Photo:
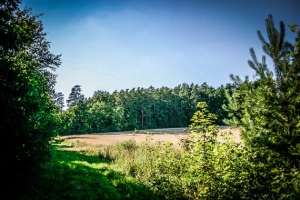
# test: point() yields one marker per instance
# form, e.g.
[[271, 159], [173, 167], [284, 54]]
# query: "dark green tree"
[[274, 97], [75, 97], [60, 101], [268, 108], [27, 120], [216, 99]]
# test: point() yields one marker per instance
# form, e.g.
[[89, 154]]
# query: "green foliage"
[[74, 175], [134, 132], [59, 101], [267, 109], [269, 106], [28, 116]]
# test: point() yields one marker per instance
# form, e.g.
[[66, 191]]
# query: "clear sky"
[[112, 45]]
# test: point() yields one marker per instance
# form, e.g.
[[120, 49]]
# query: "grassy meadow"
[[126, 170], [75, 174], [202, 168]]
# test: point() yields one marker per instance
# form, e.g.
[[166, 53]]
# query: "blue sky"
[[113, 45]]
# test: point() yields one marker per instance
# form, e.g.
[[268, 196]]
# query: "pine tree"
[[75, 96], [268, 109], [269, 105], [59, 101]]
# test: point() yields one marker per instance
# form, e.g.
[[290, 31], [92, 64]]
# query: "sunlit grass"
[[77, 175], [126, 170]]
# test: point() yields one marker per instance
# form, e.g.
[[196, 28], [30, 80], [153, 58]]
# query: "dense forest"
[[266, 110], [139, 108]]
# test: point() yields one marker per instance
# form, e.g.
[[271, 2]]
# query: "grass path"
[[74, 175]]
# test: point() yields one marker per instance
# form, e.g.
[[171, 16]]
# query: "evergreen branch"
[[271, 30], [263, 41], [252, 65], [253, 55], [282, 34], [266, 49], [264, 64]]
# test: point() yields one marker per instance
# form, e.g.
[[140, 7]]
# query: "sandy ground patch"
[[170, 134]]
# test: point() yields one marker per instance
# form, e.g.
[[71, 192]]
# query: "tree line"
[[141, 108]]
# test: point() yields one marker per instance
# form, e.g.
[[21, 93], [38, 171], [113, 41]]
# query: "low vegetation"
[[202, 168], [83, 175]]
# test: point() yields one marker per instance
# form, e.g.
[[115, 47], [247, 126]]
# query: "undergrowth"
[[204, 168], [83, 175]]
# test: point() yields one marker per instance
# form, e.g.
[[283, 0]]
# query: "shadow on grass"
[[72, 175]]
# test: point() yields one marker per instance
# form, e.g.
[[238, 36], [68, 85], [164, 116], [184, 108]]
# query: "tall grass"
[[202, 168], [156, 165], [82, 175], [206, 170]]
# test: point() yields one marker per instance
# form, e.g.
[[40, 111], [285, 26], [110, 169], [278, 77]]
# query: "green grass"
[[75, 175]]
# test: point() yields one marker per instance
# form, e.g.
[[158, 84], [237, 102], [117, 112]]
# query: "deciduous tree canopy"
[[26, 83]]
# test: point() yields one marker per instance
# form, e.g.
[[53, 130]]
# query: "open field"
[[168, 134]]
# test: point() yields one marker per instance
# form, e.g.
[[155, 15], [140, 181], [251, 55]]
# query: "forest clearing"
[[167, 134]]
